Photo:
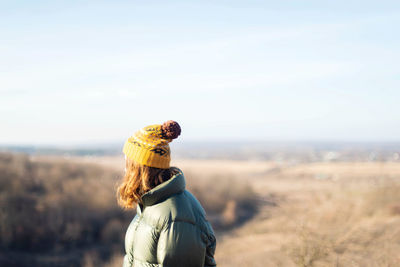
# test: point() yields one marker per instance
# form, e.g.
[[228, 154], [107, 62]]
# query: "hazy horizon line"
[[203, 141]]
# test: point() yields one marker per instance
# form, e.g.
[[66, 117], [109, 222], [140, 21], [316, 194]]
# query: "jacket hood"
[[174, 185]]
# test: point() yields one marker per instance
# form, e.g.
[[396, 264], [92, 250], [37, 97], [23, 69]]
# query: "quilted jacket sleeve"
[[182, 243], [211, 245], [128, 258], [127, 261]]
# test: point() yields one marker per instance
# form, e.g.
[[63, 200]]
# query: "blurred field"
[[264, 213], [327, 214]]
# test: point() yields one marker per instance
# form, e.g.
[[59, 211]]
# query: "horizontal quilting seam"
[[151, 225], [182, 220], [148, 263], [204, 230], [208, 234]]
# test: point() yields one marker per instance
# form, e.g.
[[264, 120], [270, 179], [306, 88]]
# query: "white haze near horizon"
[[96, 71]]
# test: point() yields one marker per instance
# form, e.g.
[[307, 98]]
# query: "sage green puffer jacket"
[[170, 229]]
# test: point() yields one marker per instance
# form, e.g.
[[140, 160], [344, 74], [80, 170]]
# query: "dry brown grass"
[[352, 227], [331, 222]]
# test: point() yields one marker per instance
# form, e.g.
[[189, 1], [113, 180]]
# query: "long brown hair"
[[139, 179]]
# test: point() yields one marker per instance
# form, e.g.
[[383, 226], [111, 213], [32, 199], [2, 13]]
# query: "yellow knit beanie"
[[150, 146]]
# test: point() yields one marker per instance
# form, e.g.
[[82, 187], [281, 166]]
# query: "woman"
[[170, 227]]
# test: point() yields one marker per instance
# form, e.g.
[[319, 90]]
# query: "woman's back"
[[170, 229]]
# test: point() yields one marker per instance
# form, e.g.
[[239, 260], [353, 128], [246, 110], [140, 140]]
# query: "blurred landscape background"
[[313, 204], [289, 113]]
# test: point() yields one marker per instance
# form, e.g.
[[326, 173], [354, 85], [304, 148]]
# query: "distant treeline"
[[254, 150], [58, 151]]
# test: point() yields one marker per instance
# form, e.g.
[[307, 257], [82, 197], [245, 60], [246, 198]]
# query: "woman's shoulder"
[[178, 207], [195, 204], [198, 213]]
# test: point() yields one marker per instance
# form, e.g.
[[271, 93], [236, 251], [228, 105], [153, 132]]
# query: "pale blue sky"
[[75, 72]]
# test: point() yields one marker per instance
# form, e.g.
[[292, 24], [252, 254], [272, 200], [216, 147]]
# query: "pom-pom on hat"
[[150, 145]]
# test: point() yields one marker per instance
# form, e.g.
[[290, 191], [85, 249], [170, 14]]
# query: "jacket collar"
[[174, 185]]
